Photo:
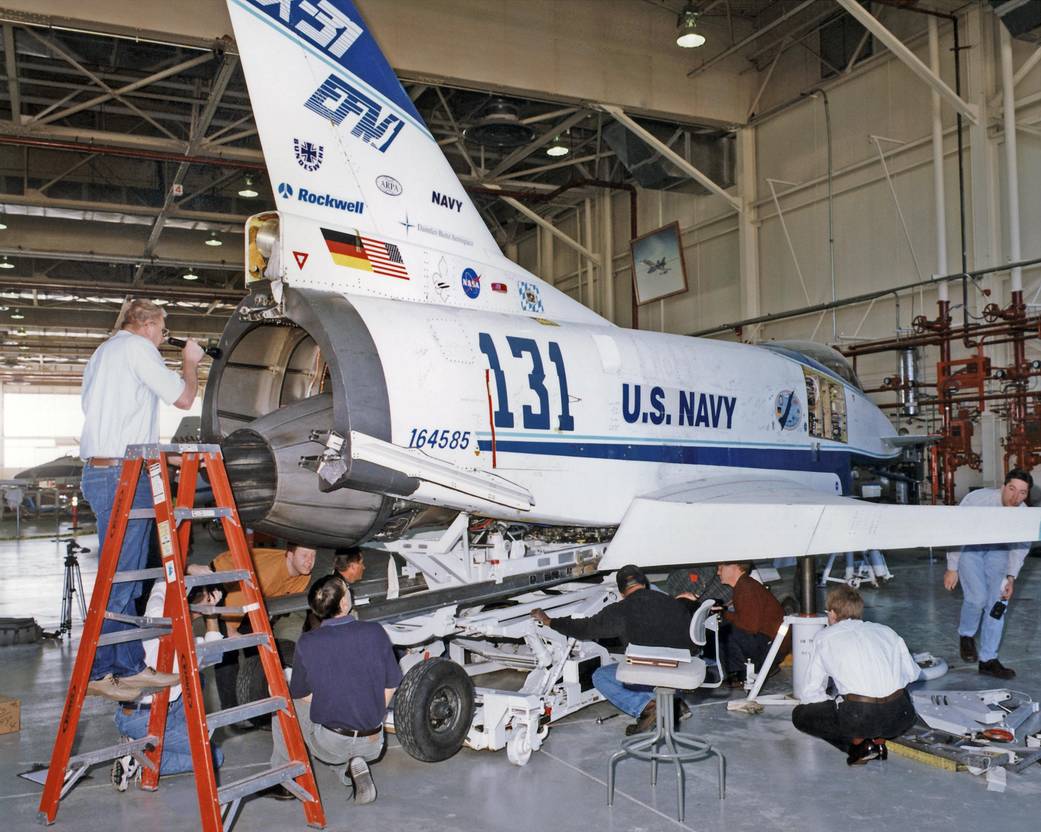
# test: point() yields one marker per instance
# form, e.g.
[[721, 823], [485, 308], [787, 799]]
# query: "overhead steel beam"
[[122, 259], [209, 218], [202, 124], [552, 229], [522, 153], [183, 66], [909, 59], [672, 155], [758, 33], [125, 144], [195, 292], [11, 65], [71, 59]]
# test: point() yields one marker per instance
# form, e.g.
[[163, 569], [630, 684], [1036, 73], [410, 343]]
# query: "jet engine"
[[294, 371]]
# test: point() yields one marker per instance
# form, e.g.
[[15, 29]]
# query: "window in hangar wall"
[[39, 427]]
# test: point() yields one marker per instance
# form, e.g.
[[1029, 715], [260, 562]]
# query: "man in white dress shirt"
[[122, 385], [988, 574], [871, 668]]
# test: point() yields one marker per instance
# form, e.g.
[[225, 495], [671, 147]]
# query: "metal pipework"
[[908, 370]]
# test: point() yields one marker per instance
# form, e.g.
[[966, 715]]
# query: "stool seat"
[[684, 676]]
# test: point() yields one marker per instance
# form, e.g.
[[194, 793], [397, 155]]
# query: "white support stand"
[[804, 628]]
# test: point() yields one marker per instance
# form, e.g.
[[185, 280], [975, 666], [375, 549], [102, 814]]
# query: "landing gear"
[[433, 709]]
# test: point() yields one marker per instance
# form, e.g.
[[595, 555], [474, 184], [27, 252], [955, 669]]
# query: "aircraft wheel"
[[518, 749], [251, 684], [433, 709]]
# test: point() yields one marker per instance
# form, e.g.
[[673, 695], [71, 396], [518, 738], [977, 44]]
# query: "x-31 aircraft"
[[384, 317], [656, 266], [388, 355]]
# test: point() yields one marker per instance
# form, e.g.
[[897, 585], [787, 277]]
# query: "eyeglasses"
[[163, 330]]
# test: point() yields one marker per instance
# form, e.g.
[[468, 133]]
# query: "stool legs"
[[678, 749]]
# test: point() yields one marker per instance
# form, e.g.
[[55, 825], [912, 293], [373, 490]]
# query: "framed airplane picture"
[[658, 267]]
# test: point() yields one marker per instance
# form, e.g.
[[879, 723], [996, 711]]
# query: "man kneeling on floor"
[[871, 668], [344, 675], [748, 631], [643, 616]]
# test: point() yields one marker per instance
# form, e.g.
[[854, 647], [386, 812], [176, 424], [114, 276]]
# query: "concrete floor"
[[777, 778]]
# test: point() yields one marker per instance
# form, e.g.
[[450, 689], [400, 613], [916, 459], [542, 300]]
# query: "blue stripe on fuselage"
[[774, 459]]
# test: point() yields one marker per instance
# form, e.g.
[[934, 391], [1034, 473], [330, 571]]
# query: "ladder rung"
[[153, 451], [136, 634], [242, 712], [260, 781], [211, 651], [228, 576], [220, 609], [111, 752], [200, 513], [141, 514], [137, 575], [138, 620]]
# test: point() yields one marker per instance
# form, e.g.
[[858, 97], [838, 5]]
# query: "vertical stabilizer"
[[343, 142]]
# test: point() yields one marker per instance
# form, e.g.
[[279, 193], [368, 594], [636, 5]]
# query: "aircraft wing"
[[742, 519]]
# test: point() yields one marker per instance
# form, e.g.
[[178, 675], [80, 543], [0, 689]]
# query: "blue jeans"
[[177, 751], [99, 489], [982, 575], [630, 699]]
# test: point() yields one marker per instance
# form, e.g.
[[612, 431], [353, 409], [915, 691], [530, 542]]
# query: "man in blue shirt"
[[344, 675]]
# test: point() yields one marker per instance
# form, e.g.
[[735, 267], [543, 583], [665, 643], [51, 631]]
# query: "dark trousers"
[[737, 646], [839, 721]]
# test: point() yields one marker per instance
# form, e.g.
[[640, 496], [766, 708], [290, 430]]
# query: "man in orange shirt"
[[279, 572], [749, 630]]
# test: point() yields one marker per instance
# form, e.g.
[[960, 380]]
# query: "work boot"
[[364, 788], [861, 752], [111, 688], [646, 722], [149, 679], [968, 649], [996, 669]]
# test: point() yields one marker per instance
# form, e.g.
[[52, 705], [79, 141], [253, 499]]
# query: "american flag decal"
[[384, 257]]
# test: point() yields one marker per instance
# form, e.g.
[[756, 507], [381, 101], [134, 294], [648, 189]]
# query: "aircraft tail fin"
[[343, 142]]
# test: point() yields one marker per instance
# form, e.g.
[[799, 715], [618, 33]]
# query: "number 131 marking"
[[534, 419]]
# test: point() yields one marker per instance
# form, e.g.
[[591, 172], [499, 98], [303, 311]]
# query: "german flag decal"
[[365, 253]]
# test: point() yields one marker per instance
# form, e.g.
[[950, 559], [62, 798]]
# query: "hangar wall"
[[880, 98]]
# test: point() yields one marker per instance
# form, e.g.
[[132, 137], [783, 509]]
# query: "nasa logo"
[[285, 189], [788, 410], [389, 185], [471, 283], [308, 155]]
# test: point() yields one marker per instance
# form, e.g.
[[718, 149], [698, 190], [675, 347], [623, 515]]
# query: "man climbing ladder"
[[173, 525]]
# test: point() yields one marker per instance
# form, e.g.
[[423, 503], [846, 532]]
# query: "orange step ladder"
[[218, 806]]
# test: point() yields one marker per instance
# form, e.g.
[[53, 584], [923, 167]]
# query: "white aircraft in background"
[[389, 355]]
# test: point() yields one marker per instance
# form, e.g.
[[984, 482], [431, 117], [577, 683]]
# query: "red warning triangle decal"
[[301, 258]]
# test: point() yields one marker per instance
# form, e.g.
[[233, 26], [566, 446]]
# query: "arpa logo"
[[471, 283], [308, 155], [285, 189], [389, 185]]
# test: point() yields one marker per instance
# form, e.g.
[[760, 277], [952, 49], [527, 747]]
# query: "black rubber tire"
[[433, 709], [250, 684]]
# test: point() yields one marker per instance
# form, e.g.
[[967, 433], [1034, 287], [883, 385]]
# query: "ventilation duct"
[[711, 154]]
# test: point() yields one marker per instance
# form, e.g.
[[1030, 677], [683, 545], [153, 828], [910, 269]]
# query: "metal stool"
[[675, 748]]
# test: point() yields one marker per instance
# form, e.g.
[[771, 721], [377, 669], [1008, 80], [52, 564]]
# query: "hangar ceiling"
[[126, 164]]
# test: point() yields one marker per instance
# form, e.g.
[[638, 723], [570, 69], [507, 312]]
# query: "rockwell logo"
[[322, 200]]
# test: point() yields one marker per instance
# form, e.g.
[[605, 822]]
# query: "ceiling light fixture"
[[3, 225], [17, 316], [687, 35], [6, 264], [214, 240], [247, 190], [190, 276], [558, 148]]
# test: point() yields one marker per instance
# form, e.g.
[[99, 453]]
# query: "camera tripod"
[[73, 586]]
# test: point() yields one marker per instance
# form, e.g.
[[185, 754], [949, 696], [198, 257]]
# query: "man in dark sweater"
[[749, 630], [643, 616], [340, 704]]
